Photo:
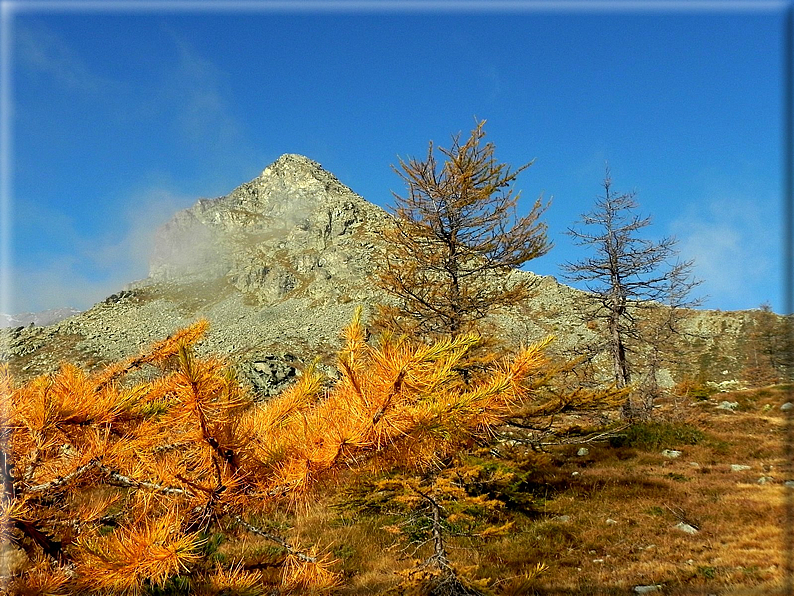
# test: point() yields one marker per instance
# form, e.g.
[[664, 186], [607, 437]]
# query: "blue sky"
[[123, 116]]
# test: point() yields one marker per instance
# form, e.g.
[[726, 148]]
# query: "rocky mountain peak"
[[291, 229], [289, 189], [296, 170], [294, 162]]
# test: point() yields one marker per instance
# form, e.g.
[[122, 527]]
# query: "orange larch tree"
[[456, 236], [112, 485]]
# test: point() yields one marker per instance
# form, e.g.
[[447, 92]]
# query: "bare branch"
[[275, 538]]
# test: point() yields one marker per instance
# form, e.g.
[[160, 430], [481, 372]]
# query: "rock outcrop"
[[278, 266]]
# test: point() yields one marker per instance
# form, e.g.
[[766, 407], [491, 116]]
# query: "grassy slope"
[[737, 550]]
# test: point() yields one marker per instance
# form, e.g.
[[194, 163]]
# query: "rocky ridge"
[[293, 231], [278, 266]]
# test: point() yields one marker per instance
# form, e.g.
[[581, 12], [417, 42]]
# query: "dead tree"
[[626, 275]]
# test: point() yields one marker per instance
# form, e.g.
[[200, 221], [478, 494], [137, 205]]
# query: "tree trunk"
[[455, 321], [620, 367]]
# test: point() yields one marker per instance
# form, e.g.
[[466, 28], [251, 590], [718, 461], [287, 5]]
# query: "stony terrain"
[[278, 266]]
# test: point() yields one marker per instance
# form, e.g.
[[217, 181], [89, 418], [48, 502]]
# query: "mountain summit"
[[293, 229]]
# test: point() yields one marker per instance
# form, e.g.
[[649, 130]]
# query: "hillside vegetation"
[[159, 475]]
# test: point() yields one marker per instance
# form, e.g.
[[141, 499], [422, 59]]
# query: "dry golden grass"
[[622, 505]]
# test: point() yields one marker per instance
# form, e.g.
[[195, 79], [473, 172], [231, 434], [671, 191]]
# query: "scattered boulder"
[[119, 296], [728, 405], [727, 385], [687, 528], [647, 589], [269, 374], [671, 453]]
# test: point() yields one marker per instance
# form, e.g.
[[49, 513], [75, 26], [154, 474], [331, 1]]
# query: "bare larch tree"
[[627, 273]]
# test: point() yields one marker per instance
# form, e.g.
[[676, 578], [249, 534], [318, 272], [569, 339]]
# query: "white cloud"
[[735, 243], [194, 88], [41, 52], [96, 266], [79, 268], [185, 95], [60, 282]]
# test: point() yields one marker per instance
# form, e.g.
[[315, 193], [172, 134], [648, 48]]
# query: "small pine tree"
[[430, 508]]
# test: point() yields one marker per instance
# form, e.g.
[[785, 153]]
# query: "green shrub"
[[652, 436]]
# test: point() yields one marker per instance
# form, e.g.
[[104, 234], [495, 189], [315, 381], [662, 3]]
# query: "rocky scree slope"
[[278, 267]]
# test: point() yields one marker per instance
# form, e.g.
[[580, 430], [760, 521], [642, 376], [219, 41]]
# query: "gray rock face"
[[269, 374], [293, 231]]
